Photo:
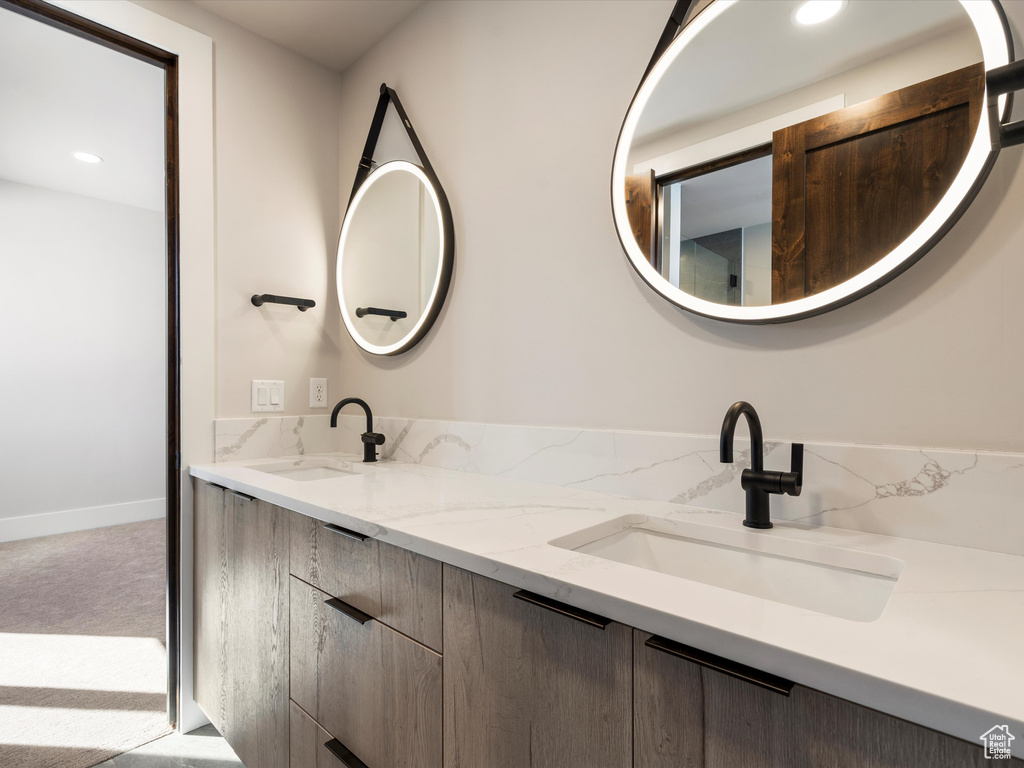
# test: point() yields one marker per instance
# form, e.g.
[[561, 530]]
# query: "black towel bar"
[[258, 300]]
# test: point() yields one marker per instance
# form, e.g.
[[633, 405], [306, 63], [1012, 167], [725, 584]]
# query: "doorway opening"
[[136, 301]]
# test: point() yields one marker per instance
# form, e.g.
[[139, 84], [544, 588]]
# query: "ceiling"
[[60, 94], [334, 33]]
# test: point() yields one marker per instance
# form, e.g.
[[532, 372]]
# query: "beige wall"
[[277, 212], [519, 105]]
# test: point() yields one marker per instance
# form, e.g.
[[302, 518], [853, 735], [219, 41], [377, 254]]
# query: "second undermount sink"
[[840, 582], [314, 468]]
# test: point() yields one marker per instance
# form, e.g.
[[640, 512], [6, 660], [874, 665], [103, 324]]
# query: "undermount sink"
[[839, 582], [322, 468]]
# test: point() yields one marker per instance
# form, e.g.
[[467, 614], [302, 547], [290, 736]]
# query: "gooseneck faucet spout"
[[370, 438], [756, 481], [732, 417]]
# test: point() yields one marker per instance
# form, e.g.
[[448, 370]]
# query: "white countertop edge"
[[920, 707]]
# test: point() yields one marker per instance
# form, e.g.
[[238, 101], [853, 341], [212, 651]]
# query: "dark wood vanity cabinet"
[[688, 715], [525, 686], [306, 636], [241, 622]]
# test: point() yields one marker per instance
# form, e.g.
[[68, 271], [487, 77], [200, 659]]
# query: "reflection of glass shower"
[[704, 273]]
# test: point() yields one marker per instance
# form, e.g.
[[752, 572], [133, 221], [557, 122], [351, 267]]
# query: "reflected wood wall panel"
[[849, 186]]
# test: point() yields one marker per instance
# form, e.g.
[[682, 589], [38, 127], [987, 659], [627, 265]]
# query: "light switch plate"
[[267, 395], [318, 393]]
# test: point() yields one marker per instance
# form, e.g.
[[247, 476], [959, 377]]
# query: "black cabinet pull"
[[344, 755], [726, 666], [345, 532], [344, 608], [239, 494], [579, 614]]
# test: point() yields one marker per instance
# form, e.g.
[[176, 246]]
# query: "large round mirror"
[[784, 157], [394, 258]]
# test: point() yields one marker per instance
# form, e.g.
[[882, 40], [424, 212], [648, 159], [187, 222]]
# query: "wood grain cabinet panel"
[[241, 609], [395, 586], [668, 709], [375, 690], [689, 715], [525, 686], [308, 742], [810, 729]]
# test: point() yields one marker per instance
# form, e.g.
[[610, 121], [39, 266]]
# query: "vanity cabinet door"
[[747, 725], [668, 709], [241, 622], [690, 715], [525, 686]]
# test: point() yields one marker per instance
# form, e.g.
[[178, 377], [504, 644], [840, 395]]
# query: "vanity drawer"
[[395, 586], [373, 689], [307, 743]]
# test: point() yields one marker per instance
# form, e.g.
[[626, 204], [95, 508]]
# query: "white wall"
[[277, 212], [82, 397], [518, 105]]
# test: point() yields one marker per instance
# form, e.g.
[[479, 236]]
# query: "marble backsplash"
[[965, 498]]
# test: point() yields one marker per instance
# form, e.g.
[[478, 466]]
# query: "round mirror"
[[394, 258], [784, 157]]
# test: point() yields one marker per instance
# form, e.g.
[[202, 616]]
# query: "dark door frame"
[[168, 62]]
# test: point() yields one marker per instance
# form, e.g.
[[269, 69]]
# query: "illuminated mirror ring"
[[395, 257], [990, 26]]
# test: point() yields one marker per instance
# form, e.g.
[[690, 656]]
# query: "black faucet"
[[370, 438], [756, 481]]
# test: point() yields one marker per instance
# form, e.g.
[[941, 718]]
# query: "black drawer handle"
[[344, 755], [345, 532], [233, 492], [719, 664], [579, 614], [344, 608]]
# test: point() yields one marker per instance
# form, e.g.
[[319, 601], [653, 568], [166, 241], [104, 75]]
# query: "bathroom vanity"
[[400, 615]]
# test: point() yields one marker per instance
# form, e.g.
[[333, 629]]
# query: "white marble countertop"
[[945, 652]]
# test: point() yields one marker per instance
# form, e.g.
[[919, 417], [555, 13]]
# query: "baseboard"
[[49, 523]]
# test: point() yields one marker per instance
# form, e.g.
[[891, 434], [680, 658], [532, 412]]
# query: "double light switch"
[[267, 395]]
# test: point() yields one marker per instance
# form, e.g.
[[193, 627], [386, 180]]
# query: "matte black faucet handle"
[[792, 482], [372, 438]]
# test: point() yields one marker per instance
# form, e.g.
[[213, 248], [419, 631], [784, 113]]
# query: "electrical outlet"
[[267, 395], [318, 393]]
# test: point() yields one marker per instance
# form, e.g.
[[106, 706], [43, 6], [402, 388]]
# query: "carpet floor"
[[83, 666]]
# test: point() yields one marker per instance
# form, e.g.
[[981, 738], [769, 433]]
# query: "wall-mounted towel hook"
[[258, 300]]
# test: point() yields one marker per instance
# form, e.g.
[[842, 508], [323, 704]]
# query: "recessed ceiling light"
[[816, 11], [88, 157]]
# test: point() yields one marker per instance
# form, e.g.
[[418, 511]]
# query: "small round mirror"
[[784, 157], [394, 258]]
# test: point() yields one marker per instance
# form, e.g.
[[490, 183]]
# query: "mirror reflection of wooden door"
[[849, 186], [640, 196]]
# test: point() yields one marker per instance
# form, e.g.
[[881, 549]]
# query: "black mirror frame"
[[1003, 80], [388, 96]]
